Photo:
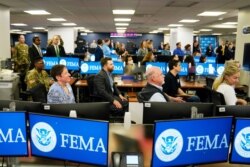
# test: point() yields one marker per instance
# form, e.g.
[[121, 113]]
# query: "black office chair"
[[215, 97], [38, 93], [139, 97], [92, 96], [209, 81]]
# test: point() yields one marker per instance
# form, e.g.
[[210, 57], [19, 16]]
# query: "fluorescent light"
[[230, 23], [18, 24], [196, 32], [15, 30], [163, 29], [234, 33], [223, 26], [37, 12], [210, 13], [153, 32], [121, 28], [175, 25], [122, 19], [206, 30], [56, 19], [88, 31], [27, 32], [120, 31], [38, 28], [216, 33], [188, 21], [121, 24], [79, 28], [69, 24], [130, 12]]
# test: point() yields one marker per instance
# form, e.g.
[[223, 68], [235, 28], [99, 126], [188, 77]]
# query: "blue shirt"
[[57, 95], [106, 50], [178, 52]]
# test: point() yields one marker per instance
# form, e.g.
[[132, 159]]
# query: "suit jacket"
[[98, 53], [52, 52], [102, 87], [33, 54]]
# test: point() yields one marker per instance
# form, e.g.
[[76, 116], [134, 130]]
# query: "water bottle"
[[194, 112]]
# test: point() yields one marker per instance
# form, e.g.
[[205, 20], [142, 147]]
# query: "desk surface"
[[141, 84]]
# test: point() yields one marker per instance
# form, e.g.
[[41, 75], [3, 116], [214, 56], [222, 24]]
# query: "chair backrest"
[[209, 81], [139, 97], [39, 93], [215, 97], [90, 82]]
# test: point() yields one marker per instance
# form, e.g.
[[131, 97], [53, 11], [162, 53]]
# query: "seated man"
[[38, 75], [104, 87], [153, 90], [172, 84]]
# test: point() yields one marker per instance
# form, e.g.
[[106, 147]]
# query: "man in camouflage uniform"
[[21, 59], [38, 75]]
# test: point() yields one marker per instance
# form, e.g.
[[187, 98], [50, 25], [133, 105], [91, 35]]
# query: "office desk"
[[138, 138]]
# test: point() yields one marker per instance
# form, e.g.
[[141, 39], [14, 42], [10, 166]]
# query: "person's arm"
[[175, 99], [241, 102]]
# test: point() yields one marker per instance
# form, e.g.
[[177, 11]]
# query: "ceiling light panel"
[[211, 13], [122, 19], [37, 12], [56, 19], [188, 21], [125, 12]]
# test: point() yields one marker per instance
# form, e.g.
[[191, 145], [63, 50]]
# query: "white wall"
[[4, 32], [68, 35], [241, 39], [185, 36]]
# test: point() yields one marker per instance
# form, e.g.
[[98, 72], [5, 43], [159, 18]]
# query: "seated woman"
[[226, 84], [130, 66], [60, 91], [149, 57]]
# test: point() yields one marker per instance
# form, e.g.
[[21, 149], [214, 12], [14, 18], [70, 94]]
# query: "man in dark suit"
[[98, 50], [104, 87], [55, 49], [35, 51]]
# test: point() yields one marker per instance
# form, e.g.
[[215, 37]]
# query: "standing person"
[[22, 60], [106, 49], [229, 52], [227, 82], [142, 51], [55, 48], [35, 51], [178, 51], [220, 51], [153, 91], [196, 48], [187, 50], [172, 84], [149, 57], [98, 51], [60, 91], [166, 50], [104, 87], [209, 50]]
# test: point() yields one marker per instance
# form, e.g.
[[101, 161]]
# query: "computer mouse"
[[116, 160]]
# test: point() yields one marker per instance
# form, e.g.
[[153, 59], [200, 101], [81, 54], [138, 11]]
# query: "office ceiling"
[[96, 15]]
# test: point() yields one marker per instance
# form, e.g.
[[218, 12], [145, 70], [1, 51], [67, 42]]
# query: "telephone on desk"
[[131, 159]]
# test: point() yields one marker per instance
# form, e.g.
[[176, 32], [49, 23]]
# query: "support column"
[[5, 32], [241, 39], [68, 35], [180, 34]]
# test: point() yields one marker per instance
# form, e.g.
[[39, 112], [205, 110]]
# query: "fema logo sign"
[[220, 70], [43, 137], [148, 66], [242, 142], [63, 62], [199, 69], [84, 67], [169, 145]]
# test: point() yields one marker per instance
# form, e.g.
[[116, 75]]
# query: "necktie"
[[57, 50]]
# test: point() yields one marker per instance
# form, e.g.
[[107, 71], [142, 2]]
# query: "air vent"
[[176, 3]]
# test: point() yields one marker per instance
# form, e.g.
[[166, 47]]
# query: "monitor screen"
[[95, 110], [161, 65], [49, 62], [90, 67], [233, 110], [77, 140], [219, 69], [118, 68], [154, 111], [70, 63], [13, 139], [184, 69], [191, 141], [28, 106], [205, 69], [161, 58], [240, 150]]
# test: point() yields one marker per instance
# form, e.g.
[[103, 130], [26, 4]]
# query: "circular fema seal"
[[168, 145], [199, 69], [43, 137], [148, 66], [84, 67], [63, 62], [220, 70], [242, 142]]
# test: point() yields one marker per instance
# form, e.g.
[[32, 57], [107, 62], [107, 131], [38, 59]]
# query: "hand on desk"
[[117, 104]]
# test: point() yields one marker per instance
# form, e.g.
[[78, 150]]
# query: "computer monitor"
[[70, 62], [154, 111], [70, 139], [13, 134], [240, 147], [204, 69], [191, 141], [28, 106], [161, 58], [95, 110], [233, 110], [49, 62]]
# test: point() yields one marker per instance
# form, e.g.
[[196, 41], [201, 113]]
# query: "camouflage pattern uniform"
[[21, 58], [34, 77]]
